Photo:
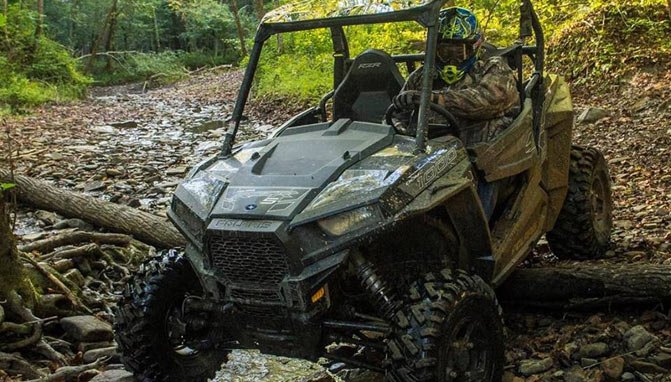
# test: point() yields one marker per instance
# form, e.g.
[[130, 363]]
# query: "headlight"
[[205, 190], [355, 182], [350, 221]]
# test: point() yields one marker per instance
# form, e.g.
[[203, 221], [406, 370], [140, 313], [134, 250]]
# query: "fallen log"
[[144, 226], [47, 245], [588, 286]]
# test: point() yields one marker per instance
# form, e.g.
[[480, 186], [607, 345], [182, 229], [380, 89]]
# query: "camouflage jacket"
[[480, 100]]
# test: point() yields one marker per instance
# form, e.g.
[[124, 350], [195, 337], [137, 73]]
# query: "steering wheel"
[[451, 120]]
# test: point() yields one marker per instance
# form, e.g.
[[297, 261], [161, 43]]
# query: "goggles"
[[454, 53]]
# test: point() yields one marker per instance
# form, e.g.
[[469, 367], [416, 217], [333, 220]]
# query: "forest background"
[[54, 50]]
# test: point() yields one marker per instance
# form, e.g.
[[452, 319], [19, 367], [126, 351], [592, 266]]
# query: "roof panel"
[[304, 10]]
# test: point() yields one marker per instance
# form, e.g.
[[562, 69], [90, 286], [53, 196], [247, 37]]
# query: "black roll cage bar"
[[427, 16]]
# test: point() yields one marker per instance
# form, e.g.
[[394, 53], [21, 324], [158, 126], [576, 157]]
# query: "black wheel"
[[150, 329], [582, 230], [451, 331]]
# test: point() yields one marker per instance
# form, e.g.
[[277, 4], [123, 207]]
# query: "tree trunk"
[[110, 33], [156, 32], [11, 270], [260, 11], [40, 25], [101, 37], [238, 26], [588, 285], [144, 226]]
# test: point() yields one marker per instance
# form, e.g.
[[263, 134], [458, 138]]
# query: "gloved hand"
[[407, 99]]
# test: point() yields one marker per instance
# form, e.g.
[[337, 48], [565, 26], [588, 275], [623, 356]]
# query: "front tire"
[[582, 230], [452, 331], [145, 319]]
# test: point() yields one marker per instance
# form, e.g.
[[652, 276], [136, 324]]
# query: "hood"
[[277, 178]]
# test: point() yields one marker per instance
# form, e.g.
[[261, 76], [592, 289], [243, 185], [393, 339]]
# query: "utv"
[[339, 229]]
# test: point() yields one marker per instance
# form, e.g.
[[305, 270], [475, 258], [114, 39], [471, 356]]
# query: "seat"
[[368, 88]]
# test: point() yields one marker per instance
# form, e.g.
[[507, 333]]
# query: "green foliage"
[[34, 70], [591, 40], [6, 187]]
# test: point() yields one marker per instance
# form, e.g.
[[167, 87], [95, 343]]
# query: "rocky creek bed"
[[132, 148]]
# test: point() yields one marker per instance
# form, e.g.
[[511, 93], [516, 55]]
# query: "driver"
[[477, 92]]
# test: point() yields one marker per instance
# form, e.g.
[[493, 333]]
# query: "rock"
[[587, 362], [574, 376], [75, 276], [178, 170], [94, 186], [593, 114], [124, 124], [663, 360], [628, 377], [637, 337], [207, 126], [86, 346], [114, 376], [647, 367], [594, 350], [531, 366], [74, 223], [34, 236], [47, 217], [113, 172], [87, 329], [103, 129], [613, 367], [95, 354]]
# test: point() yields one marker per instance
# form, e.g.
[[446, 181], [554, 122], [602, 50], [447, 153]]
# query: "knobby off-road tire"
[[451, 331], [151, 299], [582, 230]]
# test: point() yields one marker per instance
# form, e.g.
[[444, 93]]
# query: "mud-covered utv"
[[339, 229]]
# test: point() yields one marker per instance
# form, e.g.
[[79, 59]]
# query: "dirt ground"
[[133, 147]]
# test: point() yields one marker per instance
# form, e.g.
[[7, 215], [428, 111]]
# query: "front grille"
[[249, 262], [251, 295]]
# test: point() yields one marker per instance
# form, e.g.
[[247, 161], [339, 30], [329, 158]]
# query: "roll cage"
[[426, 14]]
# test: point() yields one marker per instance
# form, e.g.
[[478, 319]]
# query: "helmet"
[[459, 41]]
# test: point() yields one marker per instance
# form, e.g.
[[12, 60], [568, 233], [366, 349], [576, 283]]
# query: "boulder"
[[87, 329]]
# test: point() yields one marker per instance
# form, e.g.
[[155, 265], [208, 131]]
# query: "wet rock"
[[87, 329], [594, 350], [593, 114], [113, 376], [95, 354], [613, 367], [207, 126], [637, 337], [530, 367]]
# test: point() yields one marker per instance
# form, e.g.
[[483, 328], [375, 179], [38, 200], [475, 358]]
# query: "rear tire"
[[145, 320], [582, 230], [451, 331]]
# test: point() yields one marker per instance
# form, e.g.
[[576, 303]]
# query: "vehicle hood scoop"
[[282, 177]]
